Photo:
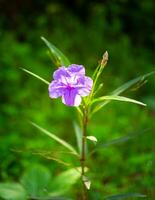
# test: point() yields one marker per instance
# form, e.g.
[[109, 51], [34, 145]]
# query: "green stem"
[[83, 155], [97, 73]]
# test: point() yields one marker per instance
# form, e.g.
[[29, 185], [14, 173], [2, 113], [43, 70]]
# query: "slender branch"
[[97, 73]]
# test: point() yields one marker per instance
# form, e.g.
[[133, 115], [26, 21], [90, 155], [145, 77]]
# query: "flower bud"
[[104, 59]]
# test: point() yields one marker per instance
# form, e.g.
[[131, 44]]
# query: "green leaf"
[[86, 182], [78, 134], [58, 57], [116, 141], [36, 180], [120, 140], [124, 196], [12, 191], [131, 83], [64, 181], [122, 89], [50, 156], [54, 137], [36, 76], [92, 138], [117, 98]]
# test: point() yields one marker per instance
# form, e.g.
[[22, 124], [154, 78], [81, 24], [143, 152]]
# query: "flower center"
[[70, 87]]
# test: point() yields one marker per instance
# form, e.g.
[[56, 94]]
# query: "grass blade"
[[54, 137], [36, 76]]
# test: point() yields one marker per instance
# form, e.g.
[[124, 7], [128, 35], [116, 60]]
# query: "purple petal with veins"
[[71, 84], [71, 97], [79, 69]]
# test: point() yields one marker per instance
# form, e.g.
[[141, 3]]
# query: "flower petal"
[[56, 89], [88, 82], [79, 69], [60, 72], [85, 86], [71, 98]]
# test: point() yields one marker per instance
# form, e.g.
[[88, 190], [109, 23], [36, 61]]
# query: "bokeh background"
[[83, 30]]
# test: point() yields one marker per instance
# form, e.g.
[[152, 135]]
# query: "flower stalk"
[[97, 73], [83, 154], [87, 104]]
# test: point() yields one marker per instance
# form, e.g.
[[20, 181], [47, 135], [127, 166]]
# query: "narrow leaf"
[[36, 76], [78, 134], [59, 58], [50, 157], [120, 140], [51, 135], [131, 83], [124, 196], [12, 191], [122, 89], [116, 141], [117, 98], [92, 138]]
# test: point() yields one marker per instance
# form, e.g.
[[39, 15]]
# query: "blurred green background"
[[83, 30]]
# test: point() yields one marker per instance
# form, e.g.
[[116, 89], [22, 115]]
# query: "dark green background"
[[83, 30]]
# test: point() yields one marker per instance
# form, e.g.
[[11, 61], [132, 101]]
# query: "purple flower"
[[71, 84]]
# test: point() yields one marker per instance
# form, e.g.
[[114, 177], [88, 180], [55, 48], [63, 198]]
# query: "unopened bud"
[[104, 59]]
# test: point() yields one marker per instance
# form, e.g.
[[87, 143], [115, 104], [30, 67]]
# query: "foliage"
[[131, 55], [36, 184], [13, 191]]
